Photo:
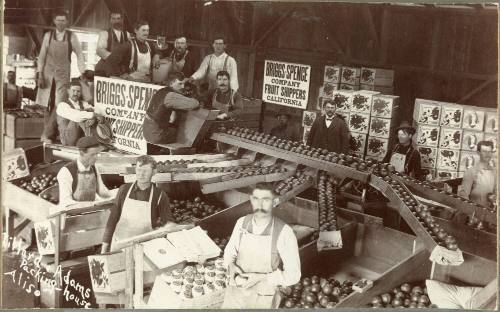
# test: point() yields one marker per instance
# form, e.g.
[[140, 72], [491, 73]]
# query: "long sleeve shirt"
[[287, 248], [213, 64], [102, 42], [65, 181], [176, 100], [478, 182], [160, 207], [77, 48], [71, 111]]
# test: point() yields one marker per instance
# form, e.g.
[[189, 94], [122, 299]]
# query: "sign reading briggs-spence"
[[125, 102], [286, 84]]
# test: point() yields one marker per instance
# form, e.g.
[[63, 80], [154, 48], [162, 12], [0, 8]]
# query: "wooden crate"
[[427, 112], [382, 89], [491, 123], [381, 127], [377, 147], [358, 143], [473, 118], [343, 100], [427, 135], [350, 75], [385, 106], [470, 139], [359, 122], [450, 138], [442, 175], [345, 86], [467, 160], [428, 156], [10, 143], [448, 159], [23, 128], [377, 76], [362, 101], [451, 115], [332, 73]]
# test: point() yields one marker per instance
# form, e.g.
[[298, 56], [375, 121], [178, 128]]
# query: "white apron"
[[143, 63], [223, 107], [398, 161], [254, 256], [484, 183], [56, 69], [135, 218]]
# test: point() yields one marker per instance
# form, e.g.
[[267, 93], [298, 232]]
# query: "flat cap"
[[88, 141]]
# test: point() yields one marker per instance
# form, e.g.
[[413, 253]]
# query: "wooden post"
[[250, 74], [57, 261], [139, 277], [129, 277]]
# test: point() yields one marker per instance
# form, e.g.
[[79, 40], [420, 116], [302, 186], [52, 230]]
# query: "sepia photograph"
[[237, 154]]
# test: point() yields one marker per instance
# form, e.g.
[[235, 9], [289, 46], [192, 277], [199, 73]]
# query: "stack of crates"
[[22, 129], [448, 133]]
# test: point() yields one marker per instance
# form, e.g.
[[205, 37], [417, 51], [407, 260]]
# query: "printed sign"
[[125, 103], [15, 165], [286, 84]]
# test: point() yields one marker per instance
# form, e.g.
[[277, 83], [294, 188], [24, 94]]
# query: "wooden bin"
[[10, 143], [23, 128]]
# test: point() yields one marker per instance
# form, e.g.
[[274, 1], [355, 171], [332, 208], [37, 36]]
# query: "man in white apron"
[[228, 101], [79, 181], [54, 68], [405, 157], [139, 208], [261, 255], [480, 180], [214, 63], [74, 116]]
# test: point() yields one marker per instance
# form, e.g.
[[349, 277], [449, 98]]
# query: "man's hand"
[[233, 270], [253, 279]]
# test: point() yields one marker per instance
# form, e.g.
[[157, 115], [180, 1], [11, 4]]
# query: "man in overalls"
[[159, 126], [213, 63], [405, 157], [54, 68], [74, 116], [79, 181], [228, 101], [261, 255], [110, 40], [139, 207], [480, 180]]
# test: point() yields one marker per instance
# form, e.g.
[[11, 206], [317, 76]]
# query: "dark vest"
[[73, 169], [112, 39], [157, 110], [67, 37]]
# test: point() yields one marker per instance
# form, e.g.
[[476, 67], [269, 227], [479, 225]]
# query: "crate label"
[[448, 159], [380, 127], [359, 122], [350, 75], [468, 160], [491, 123], [362, 102], [358, 143], [343, 100], [428, 136], [332, 74], [383, 106], [492, 138], [470, 140], [15, 165], [451, 116], [428, 156], [450, 138], [377, 147], [428, 113], [473, 119]]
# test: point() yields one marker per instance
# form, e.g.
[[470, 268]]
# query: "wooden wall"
[[437, 53]]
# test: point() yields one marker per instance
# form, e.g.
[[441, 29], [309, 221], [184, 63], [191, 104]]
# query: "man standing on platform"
[[139, 207], [159, 125], [329, 131], [54, 68], [110, 40], [261, 255], [214, 63], [480, 181]]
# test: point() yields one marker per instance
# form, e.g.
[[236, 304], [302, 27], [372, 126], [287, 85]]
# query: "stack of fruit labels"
[[377, 79], [329, 235], [194, 245], [448, 133], [162, 253]]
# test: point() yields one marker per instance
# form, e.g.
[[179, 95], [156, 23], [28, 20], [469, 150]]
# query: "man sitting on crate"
[[139, 207], [261, 255], [74, 116]]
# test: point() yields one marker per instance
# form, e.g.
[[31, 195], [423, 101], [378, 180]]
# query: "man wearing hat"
[[79, 181], [405, 157], [284, 130], [74, 116]]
